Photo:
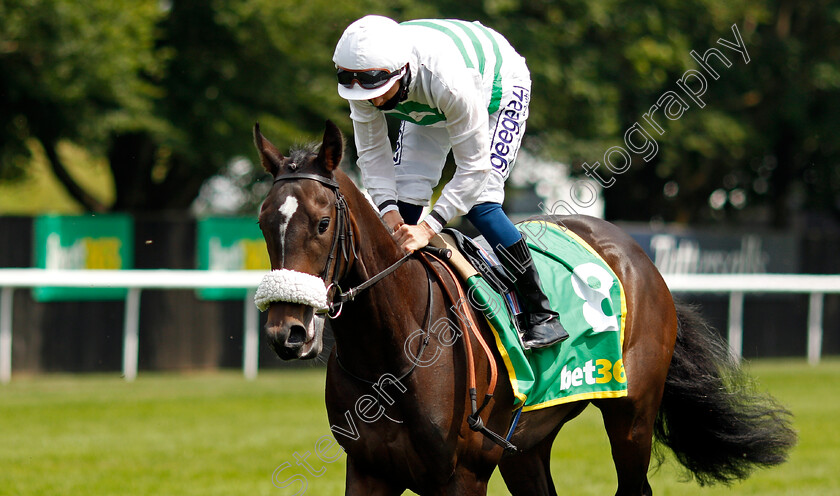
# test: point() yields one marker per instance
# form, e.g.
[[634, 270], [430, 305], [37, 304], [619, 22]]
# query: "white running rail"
[[135, 281], [736, 285]]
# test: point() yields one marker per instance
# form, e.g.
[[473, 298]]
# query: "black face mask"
[[400, 95]]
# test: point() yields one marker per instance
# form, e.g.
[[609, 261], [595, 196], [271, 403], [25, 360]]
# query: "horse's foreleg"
[[359, 483]]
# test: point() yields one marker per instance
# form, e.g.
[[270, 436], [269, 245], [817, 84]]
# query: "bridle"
[[343, 237]]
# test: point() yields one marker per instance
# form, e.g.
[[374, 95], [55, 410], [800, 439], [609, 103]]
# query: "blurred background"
[[140, 112]]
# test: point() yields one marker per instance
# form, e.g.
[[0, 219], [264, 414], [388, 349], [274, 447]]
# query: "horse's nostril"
[[297, 335]]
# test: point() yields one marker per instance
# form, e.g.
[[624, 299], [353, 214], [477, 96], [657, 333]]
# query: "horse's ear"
[[332, 148], [270, 157]]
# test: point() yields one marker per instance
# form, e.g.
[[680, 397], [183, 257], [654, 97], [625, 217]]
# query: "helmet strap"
[[400, 95], [405, 83]]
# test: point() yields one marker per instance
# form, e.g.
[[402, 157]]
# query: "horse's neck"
[[382, 317]]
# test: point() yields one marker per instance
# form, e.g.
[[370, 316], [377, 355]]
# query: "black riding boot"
[[541, 327]]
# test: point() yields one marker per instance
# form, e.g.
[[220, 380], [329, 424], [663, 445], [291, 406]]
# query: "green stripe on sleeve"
[[469, 29], [448, 32], [496, 94], [479, 50]]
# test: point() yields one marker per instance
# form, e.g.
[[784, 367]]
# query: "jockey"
[[454, 85]]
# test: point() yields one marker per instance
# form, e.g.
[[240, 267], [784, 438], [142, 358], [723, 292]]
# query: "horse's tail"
[[718, 426]]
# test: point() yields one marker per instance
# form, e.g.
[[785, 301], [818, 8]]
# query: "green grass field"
[[217, 434]]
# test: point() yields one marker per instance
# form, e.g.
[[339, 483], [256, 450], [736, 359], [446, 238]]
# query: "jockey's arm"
[[370, 131], [467, 124]]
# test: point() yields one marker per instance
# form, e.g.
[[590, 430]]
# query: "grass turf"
[[217, 434]]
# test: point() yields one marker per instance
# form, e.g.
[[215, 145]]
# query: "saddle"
[[477, 256], [471, 257]]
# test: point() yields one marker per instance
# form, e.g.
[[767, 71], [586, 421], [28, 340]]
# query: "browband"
[[316, 177]]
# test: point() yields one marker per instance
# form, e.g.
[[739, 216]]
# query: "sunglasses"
[[368, 80]]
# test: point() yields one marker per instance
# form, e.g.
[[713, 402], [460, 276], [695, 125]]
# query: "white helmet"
[[369, 57]]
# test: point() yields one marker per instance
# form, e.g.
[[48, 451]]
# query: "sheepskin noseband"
[[292, 287]]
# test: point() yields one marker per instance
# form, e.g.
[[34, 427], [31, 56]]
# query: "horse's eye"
[[323, 225]]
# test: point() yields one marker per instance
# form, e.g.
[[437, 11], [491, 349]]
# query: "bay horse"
[[397, 384]]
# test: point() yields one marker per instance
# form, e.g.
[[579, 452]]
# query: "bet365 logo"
[[600, 371]]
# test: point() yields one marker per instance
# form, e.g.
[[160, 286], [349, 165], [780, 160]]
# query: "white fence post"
[[6, 305], [736, 323], [251, 338], [131, 325], [815, 328]]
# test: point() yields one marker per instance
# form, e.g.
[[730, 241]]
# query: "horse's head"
[[303, 220]]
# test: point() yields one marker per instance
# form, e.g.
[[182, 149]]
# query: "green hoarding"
[[83, 242], [230, 243]]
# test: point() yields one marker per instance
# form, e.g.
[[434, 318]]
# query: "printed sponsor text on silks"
[[508, 127], [605, 369]]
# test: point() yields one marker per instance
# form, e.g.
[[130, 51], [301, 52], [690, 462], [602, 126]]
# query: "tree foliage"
[[169, 93], [73, 71], [757, 150], [231, 63]]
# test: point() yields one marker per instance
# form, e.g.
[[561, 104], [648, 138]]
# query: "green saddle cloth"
[[586, 293]]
